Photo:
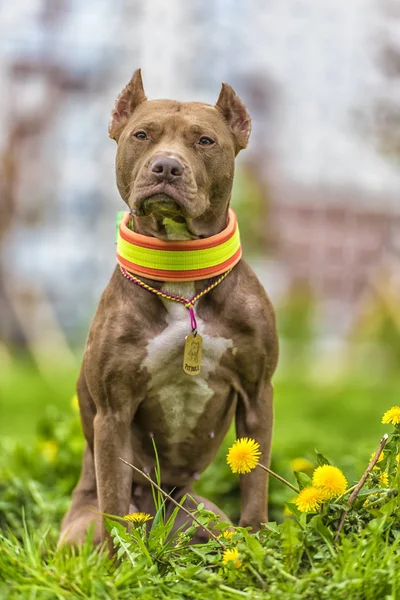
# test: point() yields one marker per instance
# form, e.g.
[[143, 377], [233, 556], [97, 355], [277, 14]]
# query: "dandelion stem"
[[226, 588], [279, 478], [353, 487], [169, 497], [360, 484], [257, 576]]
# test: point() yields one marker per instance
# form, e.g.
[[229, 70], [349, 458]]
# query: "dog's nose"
[[165, 168]]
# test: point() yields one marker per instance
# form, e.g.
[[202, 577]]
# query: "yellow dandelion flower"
[[392, 416], [380, 459], [243, 455], [309, 499], [330, 480], [75, 403], [384, 479], [301, 464], [231, 555], [138, 518], [49, 450], [227, 535]]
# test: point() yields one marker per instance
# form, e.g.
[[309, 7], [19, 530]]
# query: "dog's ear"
[[236, 115], [130, 97]]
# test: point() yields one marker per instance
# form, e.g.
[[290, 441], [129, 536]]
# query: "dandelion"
[[138, 518], [243, 455], [330, 480], [301, 464], [380, 459], [309, 499], [75, 403], [384, 479], [227, 535], [231, 555], [49, 450], [392, 416]]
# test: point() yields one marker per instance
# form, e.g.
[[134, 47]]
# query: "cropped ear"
[[235, 114], [130, 97]]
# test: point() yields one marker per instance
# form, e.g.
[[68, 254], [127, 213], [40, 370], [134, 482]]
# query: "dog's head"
[[175, 160]]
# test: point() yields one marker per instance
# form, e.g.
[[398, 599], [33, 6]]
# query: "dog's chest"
[[182, 397]]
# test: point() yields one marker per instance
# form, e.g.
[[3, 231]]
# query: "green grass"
[[25, 396], [294, 559], [365, 567], [306, 413]]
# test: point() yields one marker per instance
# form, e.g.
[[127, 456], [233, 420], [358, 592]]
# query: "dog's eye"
[[140, 135], [205, 141]]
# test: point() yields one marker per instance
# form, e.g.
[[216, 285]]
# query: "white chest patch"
[[183, 398]]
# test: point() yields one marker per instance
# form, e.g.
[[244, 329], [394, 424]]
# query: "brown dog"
[[175, 165]]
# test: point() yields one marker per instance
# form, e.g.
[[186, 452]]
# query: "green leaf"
[[321, 459], [123, 545], [377, 525], [294, 509], [158, 517], [160, 533], [157, 495], [110, 524], [323, 531], [292, 549], [255, 547], [137, 537], [188, 572], [272, 527], [302, 479], [368, 491]]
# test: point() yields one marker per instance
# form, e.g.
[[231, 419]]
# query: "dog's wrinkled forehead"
[[186, 120], [229, 116], [194, 113]]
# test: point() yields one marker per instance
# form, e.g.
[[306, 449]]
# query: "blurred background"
[[317, 191]]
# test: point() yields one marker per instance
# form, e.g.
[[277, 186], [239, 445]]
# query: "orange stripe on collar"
[[190, 260]]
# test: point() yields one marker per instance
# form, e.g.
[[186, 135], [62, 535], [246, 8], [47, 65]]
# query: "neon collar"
[[191, 260]]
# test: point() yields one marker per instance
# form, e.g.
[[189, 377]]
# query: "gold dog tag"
[[192, 355]]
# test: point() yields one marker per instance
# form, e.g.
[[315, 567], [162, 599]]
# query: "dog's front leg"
[[254, 418], [112, 439]]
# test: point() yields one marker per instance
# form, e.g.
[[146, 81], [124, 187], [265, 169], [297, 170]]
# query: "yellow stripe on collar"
[[189, 260]]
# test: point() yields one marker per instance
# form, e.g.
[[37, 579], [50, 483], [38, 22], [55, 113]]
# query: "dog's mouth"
[[162, 200], [160, 204]]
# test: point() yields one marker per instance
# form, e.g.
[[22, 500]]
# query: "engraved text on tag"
[[192, 354]]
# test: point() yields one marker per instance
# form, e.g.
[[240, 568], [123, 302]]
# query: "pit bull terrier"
[[174, 170]]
